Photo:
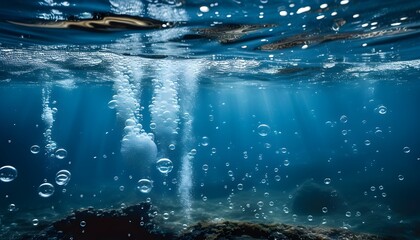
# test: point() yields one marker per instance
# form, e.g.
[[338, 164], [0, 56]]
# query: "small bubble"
[[343, 119], [372, 188], [310, 218], [324, 209], [152, 125], [46, 190], [8, 173], [204, 9], [166, 216], [112, 104], [171, 147], [82, 224], [240, 186], [164, 165], [263, 130], [286, 210], [61, 153], [12, 207], [204, 141], [382, 109], [260, 204], [367, 142], [35, 222], [400, 177], [348, 214], [144, 185], [277, 178], [327, 181], [35, 149], [205, 167], [406, 150]]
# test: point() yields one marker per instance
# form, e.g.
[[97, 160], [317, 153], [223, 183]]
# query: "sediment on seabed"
[[138, 222]]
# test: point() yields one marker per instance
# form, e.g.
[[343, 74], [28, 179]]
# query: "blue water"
[[319, 130]]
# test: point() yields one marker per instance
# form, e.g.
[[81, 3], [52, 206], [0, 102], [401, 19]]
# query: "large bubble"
[[62, 178], [8, 173], [46, 190]]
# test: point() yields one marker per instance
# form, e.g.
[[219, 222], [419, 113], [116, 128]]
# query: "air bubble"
[[240, 186], [61, 153], [263, 130], [343, 119], [144, 185], [12, 207], [406, 150], [46, 190], [82, 224], [204, 9], [35, 222], [400, 177], [382, 109], [204, 141], [8, 173], [327, 181], [310, 218], [164, 165], [62, 178], [35, 149], [205, 167], [324, 209], [112, 104]]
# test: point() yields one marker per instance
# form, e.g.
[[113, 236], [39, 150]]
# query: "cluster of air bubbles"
[[46, 190], [263, 130], [8, 173], [144, 185], [164, 165], [62, 177]]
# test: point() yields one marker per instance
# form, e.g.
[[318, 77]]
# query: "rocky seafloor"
[[139, 222]]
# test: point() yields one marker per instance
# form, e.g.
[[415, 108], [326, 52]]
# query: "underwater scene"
[[206, 119]]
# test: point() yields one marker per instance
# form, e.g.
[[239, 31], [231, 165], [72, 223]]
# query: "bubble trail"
[[189, 87], [48, 117], [165, 106], [138, 149]]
